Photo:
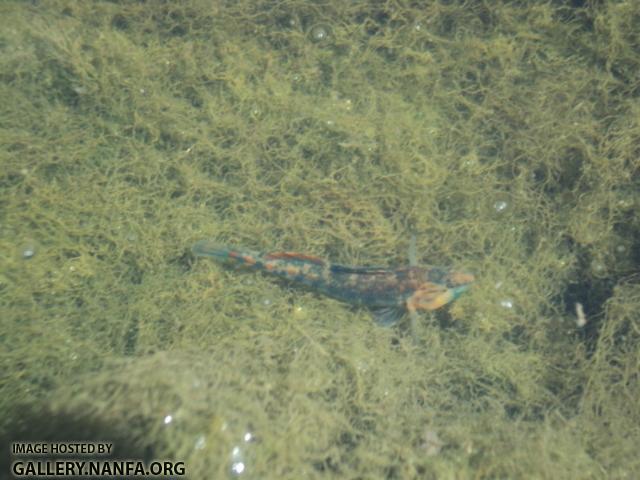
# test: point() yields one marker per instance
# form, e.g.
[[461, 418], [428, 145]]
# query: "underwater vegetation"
[[505, 137]]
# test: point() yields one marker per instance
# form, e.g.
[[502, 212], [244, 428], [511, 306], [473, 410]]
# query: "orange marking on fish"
[[291, 270], [245, 258], [429, 296], [294, 256]]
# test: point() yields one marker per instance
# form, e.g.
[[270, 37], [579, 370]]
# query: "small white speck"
[[500, 206], [506, 303], [581, 319], [200, 442], [237, 468], [597, 267], [237, 461], [168, 419]]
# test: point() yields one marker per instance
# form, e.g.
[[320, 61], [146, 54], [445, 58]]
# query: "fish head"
[[438, 287]]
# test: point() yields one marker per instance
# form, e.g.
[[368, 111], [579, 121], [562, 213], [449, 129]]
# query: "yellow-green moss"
[[505, 137]]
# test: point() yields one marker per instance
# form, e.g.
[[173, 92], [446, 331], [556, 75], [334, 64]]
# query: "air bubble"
[[320, 33], [598, 268], [500, 206], [28, 250], [506, 303], [238, 466], [200, 442]]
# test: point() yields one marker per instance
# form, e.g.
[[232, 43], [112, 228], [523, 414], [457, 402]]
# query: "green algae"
[[505, 137]]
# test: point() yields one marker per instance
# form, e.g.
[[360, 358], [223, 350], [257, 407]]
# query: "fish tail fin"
[[225, 254]]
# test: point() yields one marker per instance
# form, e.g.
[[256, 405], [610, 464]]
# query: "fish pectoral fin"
[[387, 316]]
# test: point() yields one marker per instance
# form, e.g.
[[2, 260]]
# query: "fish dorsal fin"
[[367, 270], [293, 256]]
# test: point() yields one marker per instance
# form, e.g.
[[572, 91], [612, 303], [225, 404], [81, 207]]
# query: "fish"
[[388, 292]]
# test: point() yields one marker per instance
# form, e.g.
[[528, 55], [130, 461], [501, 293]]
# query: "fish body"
[[389, 291]]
